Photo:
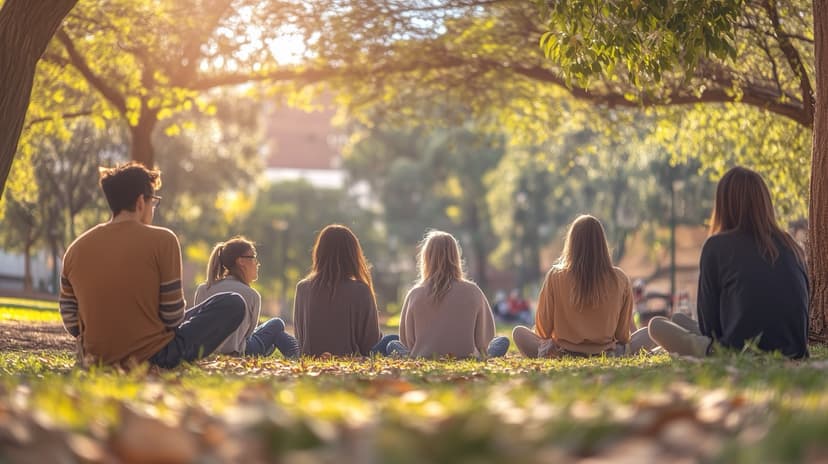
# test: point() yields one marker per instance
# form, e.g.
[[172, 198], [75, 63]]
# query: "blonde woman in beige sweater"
[[444, 314], [585, 304]]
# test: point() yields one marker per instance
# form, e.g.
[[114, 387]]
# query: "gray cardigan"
[[237, 341]]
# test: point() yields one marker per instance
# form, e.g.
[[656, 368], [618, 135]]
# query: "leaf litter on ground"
[[729, 408]]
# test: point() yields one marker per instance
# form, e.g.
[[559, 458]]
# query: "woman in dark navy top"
[[752, 279]]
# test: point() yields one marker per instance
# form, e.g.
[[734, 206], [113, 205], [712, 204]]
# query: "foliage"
[[284, 221], [480, 52], [211, 159], [721, 137], [736, 408], [643, 40], [429, 178], [758, 55], [600, 164], [23, 218]]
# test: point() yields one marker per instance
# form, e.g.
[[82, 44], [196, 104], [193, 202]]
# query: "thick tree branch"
[[799, 37], [290, 74], [78, 62], [754, 95], [794, 60], [312, 75], [763, 44], [77, 114]]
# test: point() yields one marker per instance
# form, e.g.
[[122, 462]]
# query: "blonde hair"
[[586, 256], [439, 262], [223, 258]]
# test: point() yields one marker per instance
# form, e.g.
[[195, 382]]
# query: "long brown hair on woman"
[[586, 256], [223, 258], [743, 204], [439, 262], [337, 256]]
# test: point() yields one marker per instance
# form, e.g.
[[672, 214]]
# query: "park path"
[[34, 336]]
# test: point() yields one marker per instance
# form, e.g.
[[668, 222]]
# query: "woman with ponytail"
[[232, 267]]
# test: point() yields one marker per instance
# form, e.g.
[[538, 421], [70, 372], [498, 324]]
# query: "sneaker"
[[397, 349], [498, 347], [676, 339]]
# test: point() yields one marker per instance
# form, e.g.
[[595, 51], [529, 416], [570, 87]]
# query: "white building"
[[11, 272]]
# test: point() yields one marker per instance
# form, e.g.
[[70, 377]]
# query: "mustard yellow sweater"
[[589, 330]]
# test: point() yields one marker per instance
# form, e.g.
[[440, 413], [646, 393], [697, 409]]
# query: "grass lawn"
[[729, 408], [23, 310], [8, 313]]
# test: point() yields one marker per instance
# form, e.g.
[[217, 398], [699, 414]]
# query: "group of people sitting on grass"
[[122, 295]]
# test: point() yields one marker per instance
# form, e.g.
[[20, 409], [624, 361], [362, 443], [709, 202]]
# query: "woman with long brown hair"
[[233, 266], [444, 314], [585, 303], [753, 287], [335, 310]]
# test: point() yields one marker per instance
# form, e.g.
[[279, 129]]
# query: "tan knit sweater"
[[460, 324], [589, 330], [121, 291]]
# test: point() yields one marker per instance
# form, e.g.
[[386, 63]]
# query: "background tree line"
[[711, 82]]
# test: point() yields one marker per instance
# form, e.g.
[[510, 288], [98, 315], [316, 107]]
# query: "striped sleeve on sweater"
[[171, 292], [171, 307], [69, 307]]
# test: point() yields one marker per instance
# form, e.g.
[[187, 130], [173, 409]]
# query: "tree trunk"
[[142, 150], [478, 243], [818, 209], [27, 268], [53, 244], [71, 222], [620, 246], [25, 30]]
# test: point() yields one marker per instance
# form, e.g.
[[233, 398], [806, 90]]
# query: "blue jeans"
[[204, 328], [270, 336], [381, 347], [497, 348]]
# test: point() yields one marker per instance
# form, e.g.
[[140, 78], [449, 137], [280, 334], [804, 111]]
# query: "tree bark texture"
[[141, 148], [818, 205], [25, 30], [28, 286]]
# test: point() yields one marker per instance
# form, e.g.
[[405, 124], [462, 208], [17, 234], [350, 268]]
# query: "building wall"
[[12, 266]]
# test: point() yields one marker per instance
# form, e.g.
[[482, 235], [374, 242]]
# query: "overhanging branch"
[[794, 60], [767, 98], [77, 60]]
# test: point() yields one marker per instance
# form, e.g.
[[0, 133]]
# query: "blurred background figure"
[[517, 309]]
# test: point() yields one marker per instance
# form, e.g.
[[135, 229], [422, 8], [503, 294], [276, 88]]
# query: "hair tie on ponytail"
[[220, 249]]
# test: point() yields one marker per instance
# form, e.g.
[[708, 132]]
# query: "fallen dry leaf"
[[86, 449], [142, 439]]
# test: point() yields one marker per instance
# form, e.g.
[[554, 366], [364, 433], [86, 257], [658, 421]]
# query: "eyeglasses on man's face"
[[154, 200]]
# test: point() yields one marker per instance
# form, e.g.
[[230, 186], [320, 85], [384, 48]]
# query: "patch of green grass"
[[24, 310], [764, 408], [28, 304], [28, 314], [448, 411]]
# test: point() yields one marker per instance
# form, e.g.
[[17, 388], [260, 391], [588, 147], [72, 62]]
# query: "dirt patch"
[[34, 336]]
